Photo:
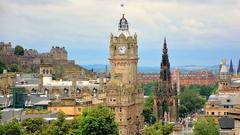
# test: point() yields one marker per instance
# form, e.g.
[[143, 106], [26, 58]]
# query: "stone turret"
[[59, 53]]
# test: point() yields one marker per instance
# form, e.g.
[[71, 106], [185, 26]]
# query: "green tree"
[[158, 129], [148, 89], [19, 50], [13, 68], [149, 117], [59, 126], [97, 121], [2, 129], [13, 128], [190, 102], [2, 66], [205, 127], [34, 125]]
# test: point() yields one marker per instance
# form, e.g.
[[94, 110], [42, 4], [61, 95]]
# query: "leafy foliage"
[[13, 68], [193, 98], [148, 89], [34, 125], [13, 128], [149, 117], [205, 127], [158, 129], [19, 50], [97, 121], [59, 126], [2, 130], [2, 66]]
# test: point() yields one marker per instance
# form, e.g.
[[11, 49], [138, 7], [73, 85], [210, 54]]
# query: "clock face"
[[122, 49]]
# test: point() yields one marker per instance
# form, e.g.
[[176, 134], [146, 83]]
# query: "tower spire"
[[238, 70], [165, 49], [165, 65], [231, 70]]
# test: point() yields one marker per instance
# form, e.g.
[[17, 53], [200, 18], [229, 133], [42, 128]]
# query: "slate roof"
[[226, 123]]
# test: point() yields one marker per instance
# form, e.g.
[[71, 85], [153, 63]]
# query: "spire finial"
[[165, 49], [165, 40]]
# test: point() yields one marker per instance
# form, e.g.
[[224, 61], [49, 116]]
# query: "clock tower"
[[123, 54], [123, 94]]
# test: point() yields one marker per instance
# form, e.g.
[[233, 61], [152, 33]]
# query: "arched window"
[[78, 91], [34, 90], [46, 91], [65, 92], [43, 71]]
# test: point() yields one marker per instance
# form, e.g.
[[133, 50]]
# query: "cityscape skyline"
[[193, 38]]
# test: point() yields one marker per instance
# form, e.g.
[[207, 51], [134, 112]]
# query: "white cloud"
[[188, 22]]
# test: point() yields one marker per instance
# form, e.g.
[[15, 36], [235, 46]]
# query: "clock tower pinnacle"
[[124, 54], [123, 94]]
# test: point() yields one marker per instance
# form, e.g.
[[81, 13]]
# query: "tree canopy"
[[148, 89], [205, 127], [19, 50], [34, 125], [193, 98], [13, 68], [97, 121], [2, 66], [149, 117], [158, 129]]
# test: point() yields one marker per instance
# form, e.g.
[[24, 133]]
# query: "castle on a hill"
[[57, 57]]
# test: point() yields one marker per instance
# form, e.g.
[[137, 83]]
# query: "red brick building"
[[148, 77], [184, 79], [194, 78]]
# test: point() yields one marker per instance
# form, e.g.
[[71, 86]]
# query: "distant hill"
[[155, 69]]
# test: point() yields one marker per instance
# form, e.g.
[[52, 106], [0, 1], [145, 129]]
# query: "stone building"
[[206, 78], [165, 95], [7, 82], [227, 97], [59, 53], [123, 94], [58, 57], [148, 77], [228, 80]]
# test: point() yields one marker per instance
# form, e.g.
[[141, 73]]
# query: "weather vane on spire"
[[122, 6]]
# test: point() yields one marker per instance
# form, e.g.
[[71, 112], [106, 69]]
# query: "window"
[[228, 100], [212, 113], [212, 105], [226, 106], [225, 113], [120, 109]]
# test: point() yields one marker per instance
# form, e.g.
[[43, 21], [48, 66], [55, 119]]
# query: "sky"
[[199, 32]]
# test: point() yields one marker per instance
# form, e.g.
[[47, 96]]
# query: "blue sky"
[[198, 32]]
